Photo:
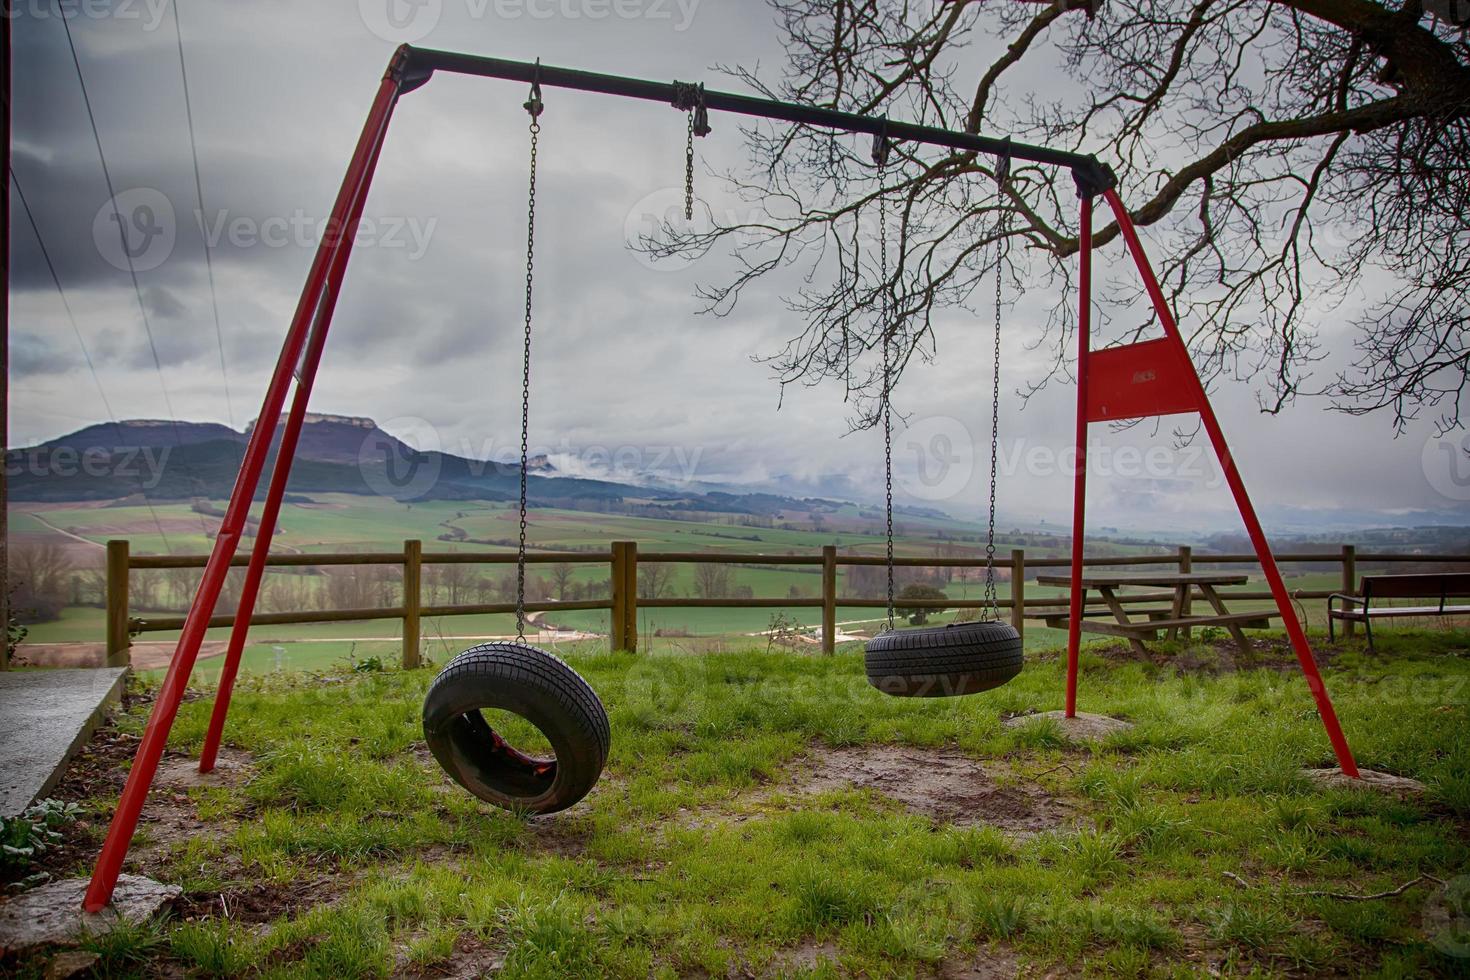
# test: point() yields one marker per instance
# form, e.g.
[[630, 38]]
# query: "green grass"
[[696, 856]]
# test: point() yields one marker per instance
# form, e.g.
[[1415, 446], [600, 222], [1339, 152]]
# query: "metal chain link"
[[534, 108], [689, 171], [886, 314], [990, 596]]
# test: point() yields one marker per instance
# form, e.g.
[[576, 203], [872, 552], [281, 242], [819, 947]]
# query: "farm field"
[[336, 523], [772, 815]]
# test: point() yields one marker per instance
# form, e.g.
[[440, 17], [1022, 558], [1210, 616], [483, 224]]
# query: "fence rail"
[[623, 560]]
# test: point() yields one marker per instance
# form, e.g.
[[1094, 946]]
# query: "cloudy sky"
[[426, 335]]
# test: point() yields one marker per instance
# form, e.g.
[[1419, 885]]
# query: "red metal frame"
[[344, 216], [1165, 382], [308, 334]]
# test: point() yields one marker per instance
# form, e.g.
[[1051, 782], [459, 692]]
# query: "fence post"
[[1349, 582], [1186, 565], [829, 599], [630, 596], [117, 604], [1018, 591], [624, 575], [617, 628], [413, 566]]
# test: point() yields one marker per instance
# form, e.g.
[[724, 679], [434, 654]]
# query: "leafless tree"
[[712, 581], [654, 580], [561, 578], [40, 575], [1288, 154]]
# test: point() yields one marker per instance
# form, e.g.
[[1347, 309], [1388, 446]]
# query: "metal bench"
[[1437, 586]]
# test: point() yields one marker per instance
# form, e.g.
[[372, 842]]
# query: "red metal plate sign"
[[1138, 381]]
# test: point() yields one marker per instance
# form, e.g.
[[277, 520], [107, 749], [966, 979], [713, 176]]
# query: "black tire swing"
[[515, 676], [958, 658]]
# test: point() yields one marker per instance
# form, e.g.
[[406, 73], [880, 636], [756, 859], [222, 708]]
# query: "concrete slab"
[[1083, 727], [1367, 779], [52, 914], [46, 716]]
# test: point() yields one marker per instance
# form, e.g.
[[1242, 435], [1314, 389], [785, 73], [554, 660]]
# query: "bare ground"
[[942, 784]]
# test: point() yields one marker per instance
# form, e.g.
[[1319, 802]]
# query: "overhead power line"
[[199, 196], [86, 355], [128, 255]]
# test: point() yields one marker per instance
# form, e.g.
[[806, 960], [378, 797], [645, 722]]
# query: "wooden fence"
[[623, 602]]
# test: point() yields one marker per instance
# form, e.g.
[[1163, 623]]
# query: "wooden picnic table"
[[1170, 621]]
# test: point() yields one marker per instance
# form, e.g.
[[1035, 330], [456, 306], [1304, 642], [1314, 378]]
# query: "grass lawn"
[[773, 815]]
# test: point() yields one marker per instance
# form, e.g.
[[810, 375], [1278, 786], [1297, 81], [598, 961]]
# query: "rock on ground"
[[52, 914], [1083, 726], [1370, 779]]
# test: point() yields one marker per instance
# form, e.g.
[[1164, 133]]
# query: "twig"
[[1371, 898], [1047, 772], [1343, 896]]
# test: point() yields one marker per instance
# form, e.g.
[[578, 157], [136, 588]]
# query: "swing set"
[[1137, 380]]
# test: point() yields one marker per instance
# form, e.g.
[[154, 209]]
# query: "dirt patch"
[[804, 958], [985, 964], [258, 902], [943, 784], [145, 654], [470, 959], [232, 767]]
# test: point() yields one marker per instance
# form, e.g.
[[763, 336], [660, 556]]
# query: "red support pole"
[[171, 694], [281, 473], [1242, 499], [1079, 492]]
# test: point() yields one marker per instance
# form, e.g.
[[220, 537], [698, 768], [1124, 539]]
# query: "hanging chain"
[[689, 171], [886, 324], [689, 97], [990, 597], [534, 107]]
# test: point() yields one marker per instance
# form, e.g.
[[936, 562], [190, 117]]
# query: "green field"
[[336, 523]]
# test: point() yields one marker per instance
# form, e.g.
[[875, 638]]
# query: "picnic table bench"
[[1169, 621], [1438, 587]]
